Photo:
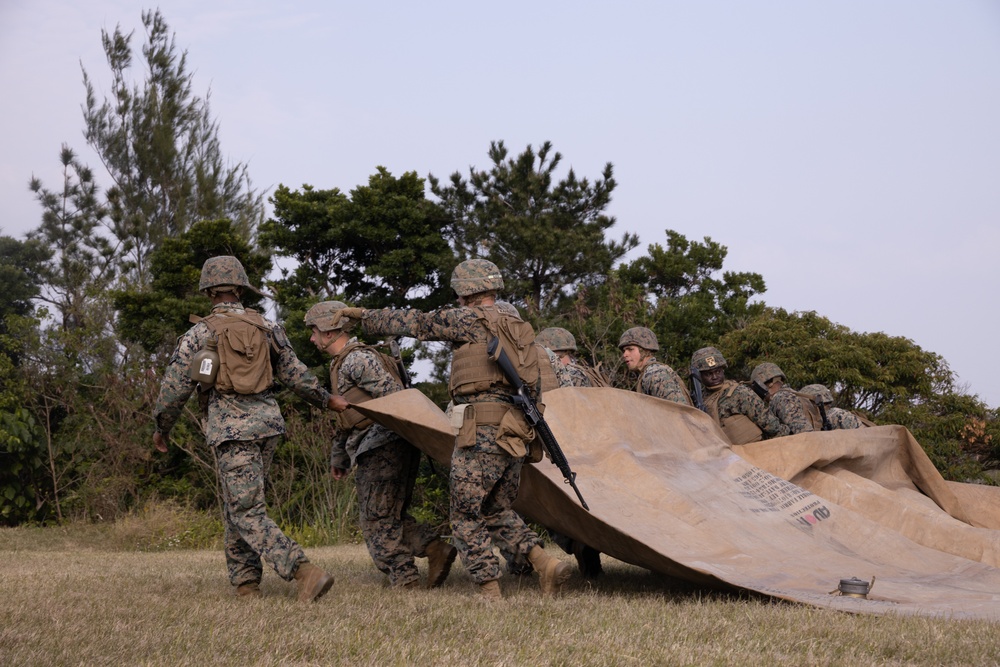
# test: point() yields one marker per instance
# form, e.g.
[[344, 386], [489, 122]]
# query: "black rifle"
[[699, 398], [827, 426], [760, 390], [523, 400], [404, 375]]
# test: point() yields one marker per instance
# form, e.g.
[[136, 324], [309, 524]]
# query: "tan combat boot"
[[249, 589], [490, 591], [440, 556], [313, 582], [552, 572]]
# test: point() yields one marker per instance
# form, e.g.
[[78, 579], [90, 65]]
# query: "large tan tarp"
[[787, 518]]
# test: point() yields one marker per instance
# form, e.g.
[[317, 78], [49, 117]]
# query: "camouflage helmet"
[[476, 275], [556, 339], [818, 391], [322, 316], [224, 271], [508, 309], [707, 359], [640, 337], [766, 372]]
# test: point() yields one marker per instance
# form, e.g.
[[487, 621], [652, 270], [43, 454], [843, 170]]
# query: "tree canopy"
[[384, 244], [547, 236], [160, 145]]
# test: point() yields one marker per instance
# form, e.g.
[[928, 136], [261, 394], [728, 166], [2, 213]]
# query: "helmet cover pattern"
[[818, 391], [323, 315], [223, 270], [765, 372], [474, 276], [640, 337], [708, 358], [556, 339]]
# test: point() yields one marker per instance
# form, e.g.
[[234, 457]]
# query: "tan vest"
[[811, 410], [739, 428], [549, 379], [595, 376], [351, 418], [472, 371]]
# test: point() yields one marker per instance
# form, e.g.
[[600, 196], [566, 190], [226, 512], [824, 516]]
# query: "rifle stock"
[[404, 375], [523, 400], [699, 397], [827, 426], [760, 390]]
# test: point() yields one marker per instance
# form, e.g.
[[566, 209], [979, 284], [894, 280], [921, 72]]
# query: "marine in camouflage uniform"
[[655, 378], [386, 463], [485, 474], [742, 414], [245, 430], [838, 417], [563, 376], [562, 344], [785, 403]]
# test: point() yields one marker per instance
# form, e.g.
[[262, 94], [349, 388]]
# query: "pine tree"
[[160, 146]]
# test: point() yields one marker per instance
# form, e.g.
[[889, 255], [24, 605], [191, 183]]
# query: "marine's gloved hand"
[[349, 314], [346, 317]]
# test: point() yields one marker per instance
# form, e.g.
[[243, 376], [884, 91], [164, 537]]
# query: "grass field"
[[77, 597]]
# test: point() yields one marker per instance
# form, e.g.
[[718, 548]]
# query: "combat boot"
[[313, 582], [588, 560], [250, 589], [552, 572], [440, 556], [490, 591]]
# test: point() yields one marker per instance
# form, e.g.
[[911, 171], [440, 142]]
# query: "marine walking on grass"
[[386, 463], [241, 355], [492, 434]]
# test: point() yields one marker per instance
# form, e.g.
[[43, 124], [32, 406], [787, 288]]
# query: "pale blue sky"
[[848, 151]]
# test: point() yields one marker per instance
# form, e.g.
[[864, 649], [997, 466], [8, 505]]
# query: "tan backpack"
[[244, 352], [594, 374], [811, 409]]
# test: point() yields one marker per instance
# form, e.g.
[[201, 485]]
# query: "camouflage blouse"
[[458, 325], [658, 379], [840, 418], [234, 416], [786, 405], [739, 399], [361, 368]]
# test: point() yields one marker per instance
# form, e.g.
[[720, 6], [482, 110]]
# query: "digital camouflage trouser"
[[250, 534], [483, 488], [385, 479]]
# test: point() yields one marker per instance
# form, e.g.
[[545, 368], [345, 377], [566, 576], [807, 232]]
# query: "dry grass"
[[64, 600]]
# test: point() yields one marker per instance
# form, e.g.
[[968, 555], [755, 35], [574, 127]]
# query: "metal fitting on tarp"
[[854, 587]]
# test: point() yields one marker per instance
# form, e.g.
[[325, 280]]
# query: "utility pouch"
[[463, 423], [514, 433]]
